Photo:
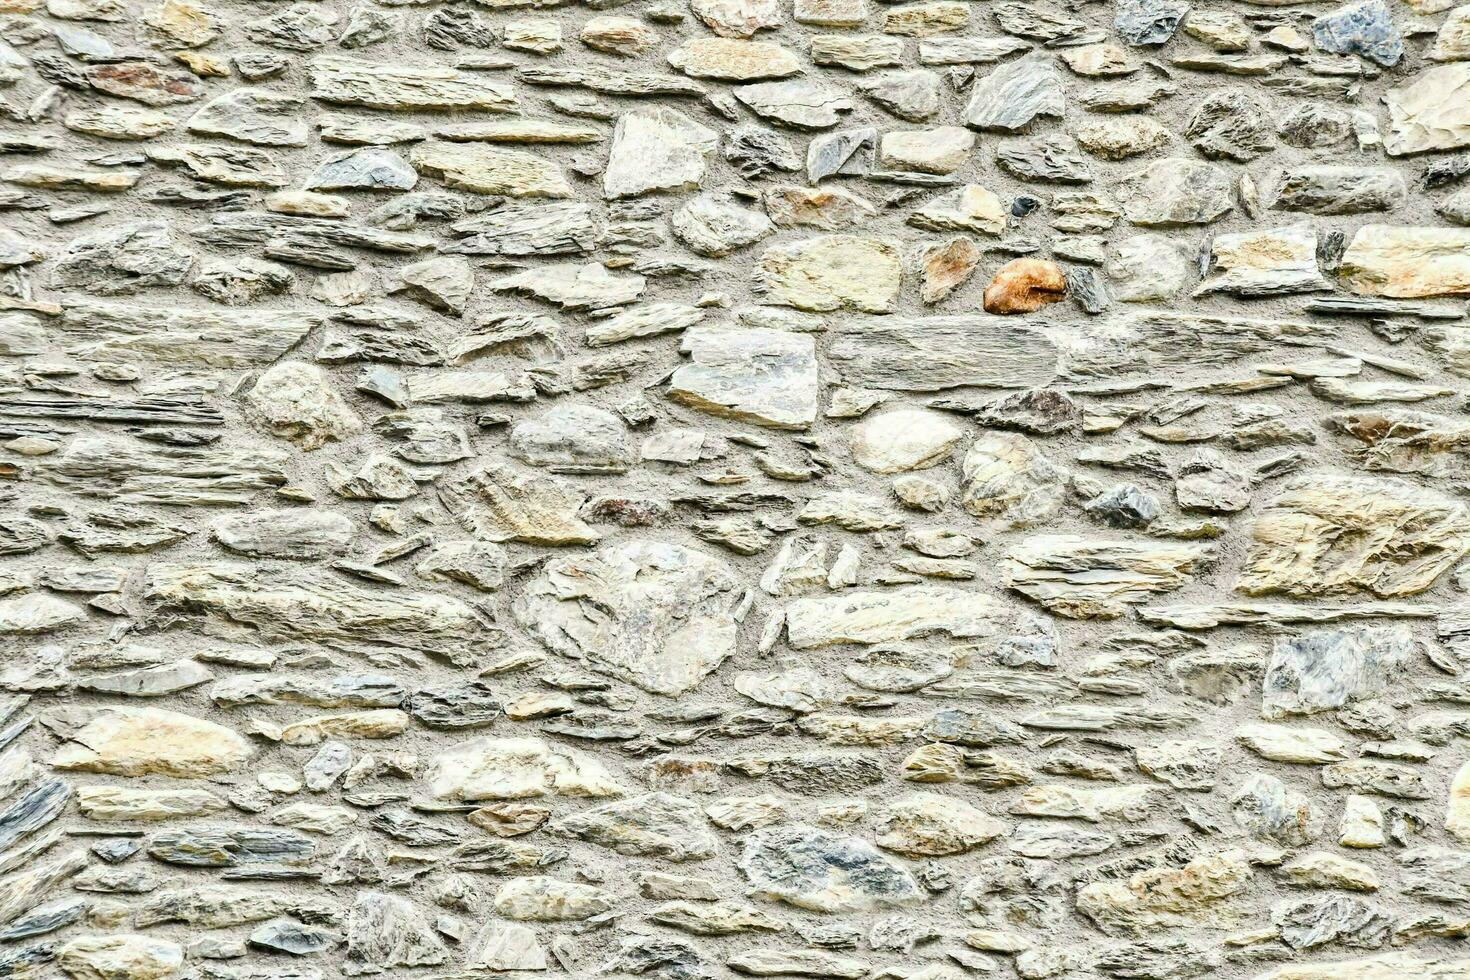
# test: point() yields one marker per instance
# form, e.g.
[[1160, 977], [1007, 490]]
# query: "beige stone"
[[152, 741], [1407, 261], [833, 272]]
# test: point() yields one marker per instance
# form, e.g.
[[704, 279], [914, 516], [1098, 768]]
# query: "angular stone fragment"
[[1407, 261], [1430, 112], [768, 377], [252, 116], [1339, 190], [1083, 579], [498, 503], [1264, 263], [833, 272], [123, 259], [549, 900], [386, 933], [654, 614], [575, 287], [151, 741], [712, 227], [1013, 95], [896, 442], [801, 104], [1175, 191], [656, 149], [1327, 669], [822, 872], [935, 353], [1364, 28], [1301, 746], [1336, 535]]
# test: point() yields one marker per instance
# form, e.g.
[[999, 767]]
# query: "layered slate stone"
[[768, 377]]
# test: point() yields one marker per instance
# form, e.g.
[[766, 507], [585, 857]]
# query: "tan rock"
[[833, 272], [487, 170], [1362, 824], [1429, 112], [618, 35], [947, 267], [731, 60], [888, 616], [909, 439], [152, 741], [1457, 811], [1166, 898], [1010, 482], [1322, 869], [1407, 261], [1336, 535], [768, 377], [517, 769], [295, 402], [1390, 966], [379, 84], [930, 825], [1121, 803], [926, 19], [120, 957], [656, 149], [1301, 746], [1025, 286], [927, 151]]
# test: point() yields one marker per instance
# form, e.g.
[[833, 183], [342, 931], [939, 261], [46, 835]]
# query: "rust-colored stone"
[[1025, 286]]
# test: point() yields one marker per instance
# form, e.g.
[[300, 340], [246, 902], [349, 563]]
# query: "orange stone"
[[1025, 286]]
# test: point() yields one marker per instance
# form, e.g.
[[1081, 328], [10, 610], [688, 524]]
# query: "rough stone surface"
[[691, 490]]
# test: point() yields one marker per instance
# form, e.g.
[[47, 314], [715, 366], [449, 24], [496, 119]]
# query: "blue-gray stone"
[[1144, 22], [371, 168], [1366, 29]]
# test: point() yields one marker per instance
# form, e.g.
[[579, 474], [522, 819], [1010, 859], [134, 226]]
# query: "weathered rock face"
[[908, 490], [822, 872], [656, 615], [1340, 535]]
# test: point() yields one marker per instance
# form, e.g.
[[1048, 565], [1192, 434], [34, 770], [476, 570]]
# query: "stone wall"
[[747, 488]]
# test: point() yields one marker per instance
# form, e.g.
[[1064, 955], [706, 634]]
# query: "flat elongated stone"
[[768, 377], [115, 957], [379, 85], [657, 615], [731, 60], [516, 769], [149, 741], [936, 353], [655, 825], [1083, 578], [889, 616], [489, 170], [328, 611], [181, 336]]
